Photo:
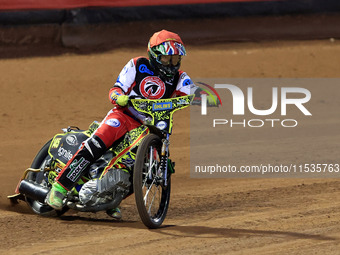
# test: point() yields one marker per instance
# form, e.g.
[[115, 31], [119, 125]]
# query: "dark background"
[[91, 29]]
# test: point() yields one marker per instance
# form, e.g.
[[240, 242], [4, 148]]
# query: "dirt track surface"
[[39, 96]]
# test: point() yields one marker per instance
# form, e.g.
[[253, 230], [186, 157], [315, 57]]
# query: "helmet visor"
[[170, 59]]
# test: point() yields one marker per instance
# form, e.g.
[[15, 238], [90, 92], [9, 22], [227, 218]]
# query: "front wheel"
[[152, 198]]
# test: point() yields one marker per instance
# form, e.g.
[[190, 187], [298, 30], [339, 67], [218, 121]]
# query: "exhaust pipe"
[[33, 190]]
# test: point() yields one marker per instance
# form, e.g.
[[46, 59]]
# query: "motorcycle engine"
[[101, 191]]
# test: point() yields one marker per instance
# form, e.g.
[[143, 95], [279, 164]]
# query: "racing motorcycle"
[[137, 163]]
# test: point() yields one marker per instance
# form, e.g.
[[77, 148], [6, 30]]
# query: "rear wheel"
[[39, 178], [152, 198]]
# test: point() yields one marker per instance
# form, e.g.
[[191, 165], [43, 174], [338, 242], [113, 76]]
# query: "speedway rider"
[[155, 77]]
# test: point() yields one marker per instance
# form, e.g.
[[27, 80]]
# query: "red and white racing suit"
[[138, 79]]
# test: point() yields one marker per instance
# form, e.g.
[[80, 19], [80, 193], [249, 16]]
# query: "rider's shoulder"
[[184, 78], [182, 75], [140, 60]]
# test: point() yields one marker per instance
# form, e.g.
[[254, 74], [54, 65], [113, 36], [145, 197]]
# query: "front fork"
[[164, 159]]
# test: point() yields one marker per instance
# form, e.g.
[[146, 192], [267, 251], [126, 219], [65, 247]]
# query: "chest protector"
[[149, 85]]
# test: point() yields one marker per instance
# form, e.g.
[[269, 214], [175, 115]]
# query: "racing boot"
[[114, 213], [56, 196]]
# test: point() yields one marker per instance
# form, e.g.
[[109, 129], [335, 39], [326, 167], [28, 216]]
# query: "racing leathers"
[[138, 79]]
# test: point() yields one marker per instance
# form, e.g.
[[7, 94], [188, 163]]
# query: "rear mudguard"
[[64, 146]]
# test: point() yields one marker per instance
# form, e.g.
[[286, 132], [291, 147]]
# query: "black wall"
[[149, 13]]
